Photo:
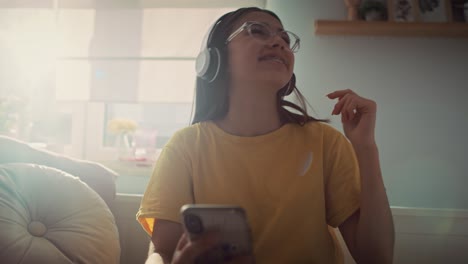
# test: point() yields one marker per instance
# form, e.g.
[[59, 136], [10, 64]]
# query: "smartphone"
[[230, 221]]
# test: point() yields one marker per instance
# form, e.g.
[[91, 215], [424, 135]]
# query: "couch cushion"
[[49, 216]]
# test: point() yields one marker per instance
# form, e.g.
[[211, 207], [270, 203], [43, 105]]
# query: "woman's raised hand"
[[358, 115]]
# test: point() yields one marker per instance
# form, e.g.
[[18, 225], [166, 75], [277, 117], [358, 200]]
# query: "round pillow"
[[49, 216]]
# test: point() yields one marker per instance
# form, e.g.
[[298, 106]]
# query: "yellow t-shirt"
[[294, 183]]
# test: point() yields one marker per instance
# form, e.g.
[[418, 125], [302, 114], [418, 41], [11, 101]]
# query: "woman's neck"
[[251, 114]]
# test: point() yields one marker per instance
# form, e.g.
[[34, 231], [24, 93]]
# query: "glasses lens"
[[291, 39], [294, 42], [262, 32], [259, 31]]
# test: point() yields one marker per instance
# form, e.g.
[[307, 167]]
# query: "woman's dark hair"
[[212, 98]]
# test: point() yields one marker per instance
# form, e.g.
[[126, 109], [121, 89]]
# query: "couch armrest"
[[100, 178]]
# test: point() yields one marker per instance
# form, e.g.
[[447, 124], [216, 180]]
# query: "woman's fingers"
[[182, 241], [346, 106], [349, 108], [350, 104], [188, 251], [339, 106], [339, 94]]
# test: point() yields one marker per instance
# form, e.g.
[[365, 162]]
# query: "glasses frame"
[[247, 25]]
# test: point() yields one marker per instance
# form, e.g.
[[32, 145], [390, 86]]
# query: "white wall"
[[420, 85], [429, 236]]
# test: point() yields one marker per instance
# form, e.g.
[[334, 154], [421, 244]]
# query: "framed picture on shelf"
[[459, 10], [434, 10], [402, 10], [373, 10]]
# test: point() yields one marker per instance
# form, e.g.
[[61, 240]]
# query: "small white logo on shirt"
[[307, 163]]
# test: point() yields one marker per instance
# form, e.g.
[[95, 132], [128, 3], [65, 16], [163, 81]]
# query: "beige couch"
[[57, 213]]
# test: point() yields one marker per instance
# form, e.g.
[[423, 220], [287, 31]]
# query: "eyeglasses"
[[263, 32]]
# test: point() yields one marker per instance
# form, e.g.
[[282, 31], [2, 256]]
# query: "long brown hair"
[[211, 98]]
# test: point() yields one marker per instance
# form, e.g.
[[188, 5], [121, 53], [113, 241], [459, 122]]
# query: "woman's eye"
[[259, 30], [286, 38]]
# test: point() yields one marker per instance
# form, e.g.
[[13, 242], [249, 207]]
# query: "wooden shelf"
[[395, 29]]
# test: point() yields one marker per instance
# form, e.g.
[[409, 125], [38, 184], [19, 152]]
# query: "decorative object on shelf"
[[124, 145], [398, 11], [145, 146], [352, 6], [434, 10], [373, 10], [459, 10], [465, 7], [402, 10], [124, 130]]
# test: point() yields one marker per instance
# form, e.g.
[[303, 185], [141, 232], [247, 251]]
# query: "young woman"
[[295, 176]]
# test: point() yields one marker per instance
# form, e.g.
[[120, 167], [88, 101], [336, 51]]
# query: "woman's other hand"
[[188, 251], [358, 115]]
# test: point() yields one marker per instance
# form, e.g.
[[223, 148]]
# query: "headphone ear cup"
[[207, 64], [202, 63]]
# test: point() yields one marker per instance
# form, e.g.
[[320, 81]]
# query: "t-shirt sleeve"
[[342, 178], [169, 188]]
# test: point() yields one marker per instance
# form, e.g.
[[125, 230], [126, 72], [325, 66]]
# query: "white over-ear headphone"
[[208, 61]]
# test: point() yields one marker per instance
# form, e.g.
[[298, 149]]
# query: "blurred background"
[[101, 80]]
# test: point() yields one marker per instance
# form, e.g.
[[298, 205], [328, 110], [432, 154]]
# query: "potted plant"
[[373, 10]]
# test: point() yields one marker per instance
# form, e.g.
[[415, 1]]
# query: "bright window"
[[74, 66]]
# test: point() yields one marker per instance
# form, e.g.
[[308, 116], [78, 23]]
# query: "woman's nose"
[[277, 41]]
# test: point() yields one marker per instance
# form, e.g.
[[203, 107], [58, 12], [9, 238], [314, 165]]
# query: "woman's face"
[[263, 61]]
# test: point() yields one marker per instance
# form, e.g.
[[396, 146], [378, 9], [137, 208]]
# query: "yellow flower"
[[119, 125]]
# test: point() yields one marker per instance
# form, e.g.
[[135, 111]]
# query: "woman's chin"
[[276, 80]]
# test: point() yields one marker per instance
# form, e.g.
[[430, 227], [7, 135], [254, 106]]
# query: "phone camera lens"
[[193, 223]]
